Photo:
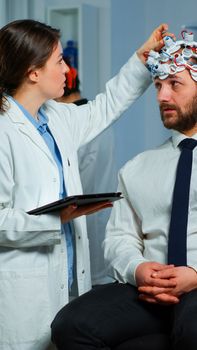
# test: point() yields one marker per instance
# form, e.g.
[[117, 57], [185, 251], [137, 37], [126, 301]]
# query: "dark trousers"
[[112, 314]]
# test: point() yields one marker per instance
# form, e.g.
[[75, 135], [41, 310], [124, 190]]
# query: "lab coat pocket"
[[24, 307]]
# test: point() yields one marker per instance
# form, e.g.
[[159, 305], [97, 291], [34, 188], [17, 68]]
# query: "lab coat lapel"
[[26, 127], [57, 134], [31, 132]]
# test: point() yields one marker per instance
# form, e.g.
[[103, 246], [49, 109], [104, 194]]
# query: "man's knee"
[[59, 327], [72, 322]]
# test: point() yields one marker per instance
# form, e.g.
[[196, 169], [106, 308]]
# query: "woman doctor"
[[39, 139]]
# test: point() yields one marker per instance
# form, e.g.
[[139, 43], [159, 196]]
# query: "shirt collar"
[[40, 124], [177, 137]]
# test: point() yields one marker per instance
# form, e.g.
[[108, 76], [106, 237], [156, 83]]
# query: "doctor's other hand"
[[154, 42], [73, 211]]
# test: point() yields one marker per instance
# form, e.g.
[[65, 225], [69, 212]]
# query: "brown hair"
[[23, 44]]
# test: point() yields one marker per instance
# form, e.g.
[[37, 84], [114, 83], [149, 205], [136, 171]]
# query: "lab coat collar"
[[26, 127]]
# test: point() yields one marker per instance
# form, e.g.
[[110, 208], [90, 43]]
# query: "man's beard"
[[183, 121]]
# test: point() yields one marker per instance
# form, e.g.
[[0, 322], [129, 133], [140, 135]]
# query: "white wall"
[[127, 33]]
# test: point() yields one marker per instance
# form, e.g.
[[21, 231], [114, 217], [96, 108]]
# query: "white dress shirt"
[[138, 227]]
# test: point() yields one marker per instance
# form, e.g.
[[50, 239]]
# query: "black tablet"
[[79, 200]]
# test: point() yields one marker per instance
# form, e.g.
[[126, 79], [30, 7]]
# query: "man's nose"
[[164, 94]]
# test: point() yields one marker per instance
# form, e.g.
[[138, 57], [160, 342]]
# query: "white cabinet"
[[81, 24]]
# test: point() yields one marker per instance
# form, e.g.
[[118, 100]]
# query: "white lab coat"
[[33, 260]]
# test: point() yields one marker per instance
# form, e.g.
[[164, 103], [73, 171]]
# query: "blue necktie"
[[177, 242]]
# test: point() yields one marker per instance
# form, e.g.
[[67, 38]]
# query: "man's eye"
[[157, 86], [174, 83]]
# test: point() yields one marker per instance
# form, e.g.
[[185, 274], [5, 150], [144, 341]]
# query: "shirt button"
[[62, 286], [83, 271], [79, 237]]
